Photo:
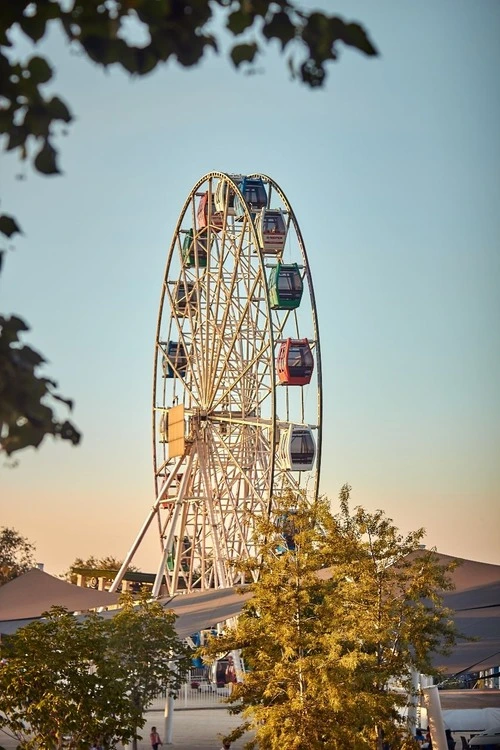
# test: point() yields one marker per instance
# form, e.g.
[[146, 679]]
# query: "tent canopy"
[[29, 595], [475, 601]]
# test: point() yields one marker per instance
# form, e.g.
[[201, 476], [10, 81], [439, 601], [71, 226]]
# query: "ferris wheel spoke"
[[238, 376], [228, 247], [230, 288], [238, 466], [230, 349]]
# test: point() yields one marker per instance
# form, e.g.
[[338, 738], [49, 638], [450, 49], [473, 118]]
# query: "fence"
[[197, 692]]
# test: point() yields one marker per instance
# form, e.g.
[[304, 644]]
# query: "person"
[[449, 739], [230, 673], [428, 739], [421, 740], [155, 739]]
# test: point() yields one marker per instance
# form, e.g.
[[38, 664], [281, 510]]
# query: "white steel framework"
[[215, 356]]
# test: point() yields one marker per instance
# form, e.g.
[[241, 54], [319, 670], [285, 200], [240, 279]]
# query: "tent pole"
[[435, 717]]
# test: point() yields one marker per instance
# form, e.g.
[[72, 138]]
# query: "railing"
[[196, 692]]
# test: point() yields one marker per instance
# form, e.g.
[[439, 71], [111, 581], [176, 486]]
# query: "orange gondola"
[[295, 362], [216, 218]]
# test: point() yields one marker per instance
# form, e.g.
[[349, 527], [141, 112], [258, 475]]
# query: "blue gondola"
[[285, 286], [175, 360], [287, 530], [254, 193]]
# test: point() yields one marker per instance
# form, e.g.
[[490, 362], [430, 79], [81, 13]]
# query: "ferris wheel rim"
[[166, 304], [318, 361]]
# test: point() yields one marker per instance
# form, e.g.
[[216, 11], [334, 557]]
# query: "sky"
[[393, 171]]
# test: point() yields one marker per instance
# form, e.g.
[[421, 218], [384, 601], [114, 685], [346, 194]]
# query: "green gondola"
[[195, 247], [285, 286]]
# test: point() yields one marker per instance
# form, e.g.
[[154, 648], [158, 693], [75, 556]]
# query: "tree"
[[29, 118], [146, 649], [27, 400], [16, 554], [65, 682], [333, 628]]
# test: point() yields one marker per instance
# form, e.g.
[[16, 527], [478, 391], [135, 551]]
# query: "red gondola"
[[295, 362], [216, 217]]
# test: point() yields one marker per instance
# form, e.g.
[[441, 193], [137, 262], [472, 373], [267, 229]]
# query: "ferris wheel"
[[237, 396]]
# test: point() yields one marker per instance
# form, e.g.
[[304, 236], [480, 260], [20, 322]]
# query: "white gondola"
[[297, 448], [271, 230], [222, 192]]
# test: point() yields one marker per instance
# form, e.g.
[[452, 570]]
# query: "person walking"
[[231, 678], [154, 738]]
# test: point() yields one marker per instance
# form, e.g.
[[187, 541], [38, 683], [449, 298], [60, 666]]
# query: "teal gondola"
[[195, 249], [285, 286]]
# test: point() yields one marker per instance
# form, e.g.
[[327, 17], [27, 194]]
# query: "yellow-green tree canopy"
[[334, 626]]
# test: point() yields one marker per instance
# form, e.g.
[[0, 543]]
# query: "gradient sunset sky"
[[393, 171]]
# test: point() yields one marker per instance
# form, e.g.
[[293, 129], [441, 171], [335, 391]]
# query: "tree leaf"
[[9, 226], [39, 69], [58, 109], [17, 136], [45, 160], [33, 26], [356, 36], [243, 53], [238, 21], [280, 27]]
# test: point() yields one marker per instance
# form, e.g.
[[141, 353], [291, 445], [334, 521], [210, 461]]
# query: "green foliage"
[[16, 554], [176, 30], [27, 400], [30, 118], [74, 681], [333, 628]]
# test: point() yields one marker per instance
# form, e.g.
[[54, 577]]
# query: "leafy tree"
[[184, 30], [329, 652], [146, 648], [16, 554], [66, 682], [27, 400]]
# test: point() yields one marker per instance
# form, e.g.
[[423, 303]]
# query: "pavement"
[[194, 729]]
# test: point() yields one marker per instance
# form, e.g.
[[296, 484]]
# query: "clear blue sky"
[[393, 170]]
